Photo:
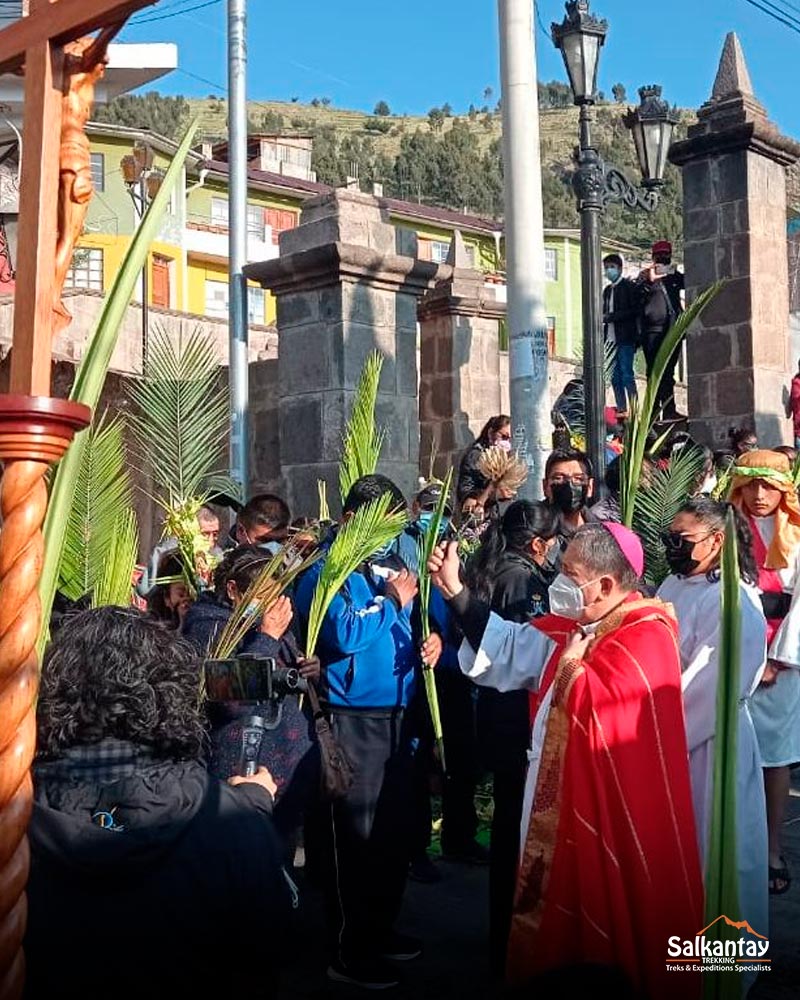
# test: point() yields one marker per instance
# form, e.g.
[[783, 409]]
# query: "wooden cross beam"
[[62, 66]]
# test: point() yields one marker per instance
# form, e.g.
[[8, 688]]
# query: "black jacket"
[[503, 719], [170, 904], [471, 480], [625, 314], [660, 302]]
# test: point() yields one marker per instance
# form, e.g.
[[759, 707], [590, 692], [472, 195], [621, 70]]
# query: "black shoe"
[[401, 947], [472, 853], [422, 869], [368, 974]]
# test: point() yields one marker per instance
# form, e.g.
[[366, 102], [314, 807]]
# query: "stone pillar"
[[345, 285], [461, 385], [734, 190]]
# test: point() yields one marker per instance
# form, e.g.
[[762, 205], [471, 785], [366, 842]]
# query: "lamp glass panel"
[[572, 48], [591, 62], [653, 145]]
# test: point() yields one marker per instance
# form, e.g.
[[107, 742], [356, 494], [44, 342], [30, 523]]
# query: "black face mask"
[[679, 553], [569, 497]]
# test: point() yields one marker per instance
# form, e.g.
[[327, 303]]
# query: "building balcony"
[[207, 238]]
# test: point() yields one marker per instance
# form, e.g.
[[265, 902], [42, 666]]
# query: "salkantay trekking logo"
[[746, 953]]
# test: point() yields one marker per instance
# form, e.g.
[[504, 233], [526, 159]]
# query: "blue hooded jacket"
[[366, 646]]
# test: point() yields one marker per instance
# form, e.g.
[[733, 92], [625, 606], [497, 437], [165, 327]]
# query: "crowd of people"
[[161, 865]]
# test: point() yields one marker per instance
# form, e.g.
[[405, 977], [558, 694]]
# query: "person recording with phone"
[[660, 305]]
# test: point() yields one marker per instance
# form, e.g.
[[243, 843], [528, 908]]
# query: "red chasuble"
[[610, 868]]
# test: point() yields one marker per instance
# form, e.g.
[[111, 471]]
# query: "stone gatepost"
[[461, 383], [734, 198], [346, 282]]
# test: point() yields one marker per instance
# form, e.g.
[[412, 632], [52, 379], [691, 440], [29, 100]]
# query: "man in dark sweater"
[[660, 287], [621, 328]]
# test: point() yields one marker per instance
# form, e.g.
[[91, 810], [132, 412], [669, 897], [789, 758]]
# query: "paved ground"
[[451, 917]]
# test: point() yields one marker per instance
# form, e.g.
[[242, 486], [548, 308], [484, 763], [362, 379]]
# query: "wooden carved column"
[[35, 431]]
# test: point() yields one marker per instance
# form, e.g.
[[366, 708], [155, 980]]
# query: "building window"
[[255, 222], [550, 264], [86, 270], [551, 336], [279, 221], [217, 298], [219, 212], [99, 171], [255, 306], [439, 251]]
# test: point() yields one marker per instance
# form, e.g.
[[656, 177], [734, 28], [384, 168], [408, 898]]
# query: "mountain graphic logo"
[[738, 925]]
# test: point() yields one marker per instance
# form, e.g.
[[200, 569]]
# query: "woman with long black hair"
[[471, 483], [694, 550], [512, 572]]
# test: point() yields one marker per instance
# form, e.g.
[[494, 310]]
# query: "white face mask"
[[503, 444], [566, 597]]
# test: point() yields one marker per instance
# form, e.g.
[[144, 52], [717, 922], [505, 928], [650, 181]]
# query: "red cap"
[[629, 543], [662, 246]]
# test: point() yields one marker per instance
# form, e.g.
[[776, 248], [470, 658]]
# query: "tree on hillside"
[[473, 112], [619, 92], [272, 122], [436, 119], [447, 110], [167, 116], [554, 94], [488, 93], [326, 102], [315, 102], [382, 109]]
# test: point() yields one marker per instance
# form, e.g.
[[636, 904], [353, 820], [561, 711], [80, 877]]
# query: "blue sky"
[[421, 53]]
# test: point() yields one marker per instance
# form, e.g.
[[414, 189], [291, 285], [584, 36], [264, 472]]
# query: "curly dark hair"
[[118, 673]]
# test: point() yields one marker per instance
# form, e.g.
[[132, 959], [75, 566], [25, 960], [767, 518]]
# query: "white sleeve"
[[786, 644], [511, 656]]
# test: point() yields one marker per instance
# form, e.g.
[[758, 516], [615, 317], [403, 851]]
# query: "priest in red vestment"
[[609, 867]]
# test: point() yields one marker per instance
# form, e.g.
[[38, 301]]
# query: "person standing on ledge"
[[660, 305], [621, 328]]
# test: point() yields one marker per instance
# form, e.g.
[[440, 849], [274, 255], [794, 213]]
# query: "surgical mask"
[[569, 497], [552, 559], [566, 597], [709, 484], [678, 551], [612, 273], [503, 444], [425, 520], [272, 547]]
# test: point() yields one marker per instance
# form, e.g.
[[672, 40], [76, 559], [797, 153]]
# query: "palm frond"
[[426, 545], [91, 375], [642, 411], [363, 440], [277, 575], [370, 528], [180, 421], [658, 501], [102, 490], [115, 585], [722, 876], [322, 493], [503, 469]]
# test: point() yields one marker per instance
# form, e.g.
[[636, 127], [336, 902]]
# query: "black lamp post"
[[142, 182], [580, 37]]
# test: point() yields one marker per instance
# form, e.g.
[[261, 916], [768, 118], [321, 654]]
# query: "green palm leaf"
[[658, 501], [103, 489], [372, 526], [91, 375], [116, 581], [642, 411], [722, 878], [362, 441], [180, 422]]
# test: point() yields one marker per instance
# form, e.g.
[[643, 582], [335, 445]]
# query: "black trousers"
[[509, 788], [651, 343], [359, 845], [459, 818]]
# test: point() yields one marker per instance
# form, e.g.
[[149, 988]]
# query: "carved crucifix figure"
[[35, 430], [84, 64]]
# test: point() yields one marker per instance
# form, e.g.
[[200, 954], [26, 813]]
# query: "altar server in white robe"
[[694, 548]]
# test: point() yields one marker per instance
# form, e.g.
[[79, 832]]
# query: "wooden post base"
[[35, 431]]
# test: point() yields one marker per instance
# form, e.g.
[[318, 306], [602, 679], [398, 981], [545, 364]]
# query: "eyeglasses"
[[675, 540], [504, 435], [576, 480]]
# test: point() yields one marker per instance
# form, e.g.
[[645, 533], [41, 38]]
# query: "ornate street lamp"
[[580, 37], [143, 183]]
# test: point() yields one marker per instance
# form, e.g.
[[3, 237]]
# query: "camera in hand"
[[245, 706]]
